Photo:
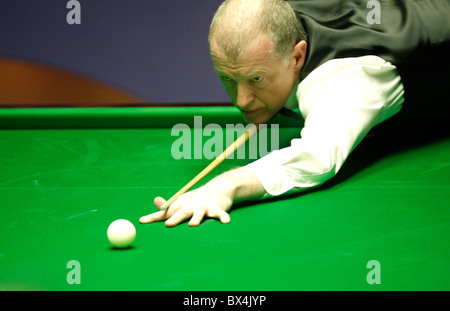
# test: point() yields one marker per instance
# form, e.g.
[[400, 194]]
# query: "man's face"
[[259, 83]]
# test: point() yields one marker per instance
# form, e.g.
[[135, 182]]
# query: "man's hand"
[[212, 200], [193, 205]]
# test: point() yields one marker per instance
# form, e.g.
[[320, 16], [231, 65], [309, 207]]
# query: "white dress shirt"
[[340, 102]]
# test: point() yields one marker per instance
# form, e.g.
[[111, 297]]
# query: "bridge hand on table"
[[193, 205]]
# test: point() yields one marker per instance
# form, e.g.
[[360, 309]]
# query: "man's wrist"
[[241, 184]]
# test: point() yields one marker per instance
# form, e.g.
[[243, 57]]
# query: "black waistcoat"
[[409, 31]]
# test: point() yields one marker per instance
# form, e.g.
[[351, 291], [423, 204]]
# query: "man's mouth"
[[251, 112]]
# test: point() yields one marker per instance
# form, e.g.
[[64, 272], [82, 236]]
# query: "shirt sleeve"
[[340, 102]]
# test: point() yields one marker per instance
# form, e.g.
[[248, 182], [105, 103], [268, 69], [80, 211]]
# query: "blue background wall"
[[154, 49]]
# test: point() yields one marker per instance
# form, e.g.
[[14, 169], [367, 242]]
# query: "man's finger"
[[177, 218], [157, 216], [197, 217], [159, 201], [224, 217], [219, 214]]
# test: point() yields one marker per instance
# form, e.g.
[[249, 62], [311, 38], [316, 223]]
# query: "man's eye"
[[257, 79]]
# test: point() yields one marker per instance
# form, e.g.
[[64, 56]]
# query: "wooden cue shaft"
[[230, 150]]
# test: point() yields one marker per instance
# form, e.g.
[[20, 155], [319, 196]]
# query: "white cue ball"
[[121, 233]]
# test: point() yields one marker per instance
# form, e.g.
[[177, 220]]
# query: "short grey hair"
[[237, 23]]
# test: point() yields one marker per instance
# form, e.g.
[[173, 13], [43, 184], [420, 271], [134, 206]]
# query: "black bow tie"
[[289, 113]]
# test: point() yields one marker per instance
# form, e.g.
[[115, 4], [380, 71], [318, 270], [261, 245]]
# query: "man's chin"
[[257, 118]]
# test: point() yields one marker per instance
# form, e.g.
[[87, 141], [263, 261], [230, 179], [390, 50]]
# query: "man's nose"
[[245, 96]]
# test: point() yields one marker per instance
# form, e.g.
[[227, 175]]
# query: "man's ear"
[[298, 55]]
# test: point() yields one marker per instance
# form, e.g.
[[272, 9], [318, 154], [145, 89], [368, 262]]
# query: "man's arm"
[[340, 101]]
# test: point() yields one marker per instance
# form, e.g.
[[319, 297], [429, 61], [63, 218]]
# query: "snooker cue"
[[230, 150]]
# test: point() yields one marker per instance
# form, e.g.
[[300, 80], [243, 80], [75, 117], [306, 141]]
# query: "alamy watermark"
[[211, 140], [74, 275], [374, 16], [74, 15], [374, 275]]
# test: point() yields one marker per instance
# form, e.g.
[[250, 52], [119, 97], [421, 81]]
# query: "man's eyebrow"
[[257, 72], [220, 72], [251, 73]]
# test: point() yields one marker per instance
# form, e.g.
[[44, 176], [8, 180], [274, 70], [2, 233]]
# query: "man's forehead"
[[257, 53]]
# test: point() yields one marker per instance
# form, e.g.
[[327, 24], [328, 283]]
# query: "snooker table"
[[66, 173]]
